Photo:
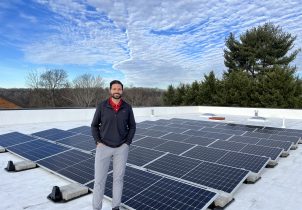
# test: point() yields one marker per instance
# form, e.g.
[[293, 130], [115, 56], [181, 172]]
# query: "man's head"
[[116, 89]]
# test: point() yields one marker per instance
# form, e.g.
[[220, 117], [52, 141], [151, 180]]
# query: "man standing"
[[113, 128]]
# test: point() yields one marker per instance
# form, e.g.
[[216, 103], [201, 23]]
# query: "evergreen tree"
[[259, 49], [191, 96], [210, 90], [169, 96]]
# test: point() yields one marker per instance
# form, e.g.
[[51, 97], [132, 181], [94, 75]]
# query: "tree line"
[[51, 89], [259, 74]]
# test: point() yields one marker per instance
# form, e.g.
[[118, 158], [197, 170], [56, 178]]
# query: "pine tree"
[[259, 49]]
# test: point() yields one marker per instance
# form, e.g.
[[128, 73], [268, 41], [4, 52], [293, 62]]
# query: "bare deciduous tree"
[[85, 89], [52, 80]]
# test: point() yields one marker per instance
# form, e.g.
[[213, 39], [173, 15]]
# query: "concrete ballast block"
[[72, 191], [2, 149], [24, 165]]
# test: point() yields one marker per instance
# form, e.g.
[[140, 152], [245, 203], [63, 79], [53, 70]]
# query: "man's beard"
[[116, 96]]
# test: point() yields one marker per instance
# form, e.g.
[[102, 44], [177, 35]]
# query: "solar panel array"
[[175, 152]]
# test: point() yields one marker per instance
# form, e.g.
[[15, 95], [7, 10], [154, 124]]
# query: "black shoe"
[[116, 208]]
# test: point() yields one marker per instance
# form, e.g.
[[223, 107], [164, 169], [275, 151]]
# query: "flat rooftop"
[[280, 188]]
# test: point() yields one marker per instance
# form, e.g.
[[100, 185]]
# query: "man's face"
[[116, 91]]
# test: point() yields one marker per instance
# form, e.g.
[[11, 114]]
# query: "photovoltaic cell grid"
[[149, 142], [271, 152], [203, 141], [13, 138], [211, 175], [174, 147], [205, 153], [53, 134], [234, 159], [286, 145], [35, 150], [216, 176], [82, 129], [79, 141], [233, 146], [176, 137], [140, 156], [63, 160], [143, 190]]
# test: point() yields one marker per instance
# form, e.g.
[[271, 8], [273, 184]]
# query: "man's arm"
[[95, 125], [132, 127]]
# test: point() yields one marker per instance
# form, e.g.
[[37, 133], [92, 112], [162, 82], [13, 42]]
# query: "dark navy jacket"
[[113, 128]]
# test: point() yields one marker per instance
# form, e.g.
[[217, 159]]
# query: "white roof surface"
[[280, 188]]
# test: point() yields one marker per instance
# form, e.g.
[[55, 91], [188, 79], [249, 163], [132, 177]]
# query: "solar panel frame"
[[149, 142], [170, 194], [176, 137], [141, 156], [14, 138], [174, 147], [228, 145], [271, 152], [244, 139], [286, 145], [37, 149], [199, 140], [216, 176], [173, 165], [79, 141], [248, 162], [205, 153]]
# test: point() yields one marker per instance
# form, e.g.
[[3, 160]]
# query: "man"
[[113, 128]]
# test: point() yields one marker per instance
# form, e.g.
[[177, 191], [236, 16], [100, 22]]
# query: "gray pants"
[[102, 160]]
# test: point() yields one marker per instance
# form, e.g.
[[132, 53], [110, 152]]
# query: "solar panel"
[[244, 139], [257, 134], [13, 138], [204, 141], [82, 172], [237, 127], [79, 141], [35, 150], [173, 165], [227, 145], [170, 194], [135, 181], [47, 132], [174, 125], [143, 125], [149, 142], [221, 136], [294, 139], [271, 152], [246, 161], [141, 131], [194, 133], [174, 147], [168, 129], [286, 145], [63, 160], [205, 153], [217, 176], [155, 133], [221, 130], [81, 129], [144, 190], [140, 156], [176, 137], [137, 137]]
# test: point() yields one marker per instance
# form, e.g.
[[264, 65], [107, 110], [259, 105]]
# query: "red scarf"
[[115, 106]]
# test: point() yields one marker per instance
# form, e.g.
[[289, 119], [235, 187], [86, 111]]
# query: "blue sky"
[[143, 43]]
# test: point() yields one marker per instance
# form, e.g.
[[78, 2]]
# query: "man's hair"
[[116, 82]]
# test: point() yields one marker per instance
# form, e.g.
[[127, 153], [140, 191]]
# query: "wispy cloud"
[[153, 43]]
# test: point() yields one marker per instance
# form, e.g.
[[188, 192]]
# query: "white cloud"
[[188, 38]]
